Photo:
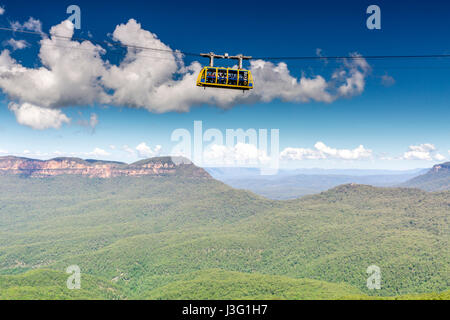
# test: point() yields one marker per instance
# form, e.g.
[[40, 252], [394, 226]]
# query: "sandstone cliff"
[[445, 167], [98, 169]]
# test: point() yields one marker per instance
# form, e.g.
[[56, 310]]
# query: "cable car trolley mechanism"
[[221, 77]]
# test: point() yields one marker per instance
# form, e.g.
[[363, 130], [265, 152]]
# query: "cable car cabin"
[[225, 78]]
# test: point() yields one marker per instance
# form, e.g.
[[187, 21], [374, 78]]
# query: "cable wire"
[[357, 57], [122, 45]]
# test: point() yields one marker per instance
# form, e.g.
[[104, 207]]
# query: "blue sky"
[[400, 117]]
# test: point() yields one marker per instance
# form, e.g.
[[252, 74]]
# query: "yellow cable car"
[[229, 78], [225, 78]]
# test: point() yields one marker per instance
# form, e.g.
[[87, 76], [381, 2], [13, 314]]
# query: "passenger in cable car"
[[232, 78], [222, 77], [243, 78], [210, 76]]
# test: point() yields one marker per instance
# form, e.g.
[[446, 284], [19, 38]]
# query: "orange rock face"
[[442, 167], [92, 168]]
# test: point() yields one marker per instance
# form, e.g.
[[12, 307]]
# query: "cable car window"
[[243, 78], [211, 75], [222, 76], [232, 77]]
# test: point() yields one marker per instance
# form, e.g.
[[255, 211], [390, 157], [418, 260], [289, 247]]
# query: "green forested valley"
[[175, 237]]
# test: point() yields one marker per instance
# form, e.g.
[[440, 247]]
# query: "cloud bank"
[[239, 154], [426, 151], [17, 44], [74, 73], [38, 118], [322, 151]]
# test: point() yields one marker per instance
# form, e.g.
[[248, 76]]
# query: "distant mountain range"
[[436, 179], [291, 184], [234, 172], [287, 184]]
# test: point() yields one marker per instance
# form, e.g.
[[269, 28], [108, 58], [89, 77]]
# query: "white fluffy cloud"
[[345, 154], [275, 82], [31, 25], [2, 10], [76, 73], [353, 77], [426, 151], [67, 76], [98, 153], [240, 154], [144, 151], [17, 44], [38, 118], [300, 154], [322, 151]]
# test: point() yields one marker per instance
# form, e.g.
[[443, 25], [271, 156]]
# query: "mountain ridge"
[[292, 184], [436, 179], [157, 166]]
